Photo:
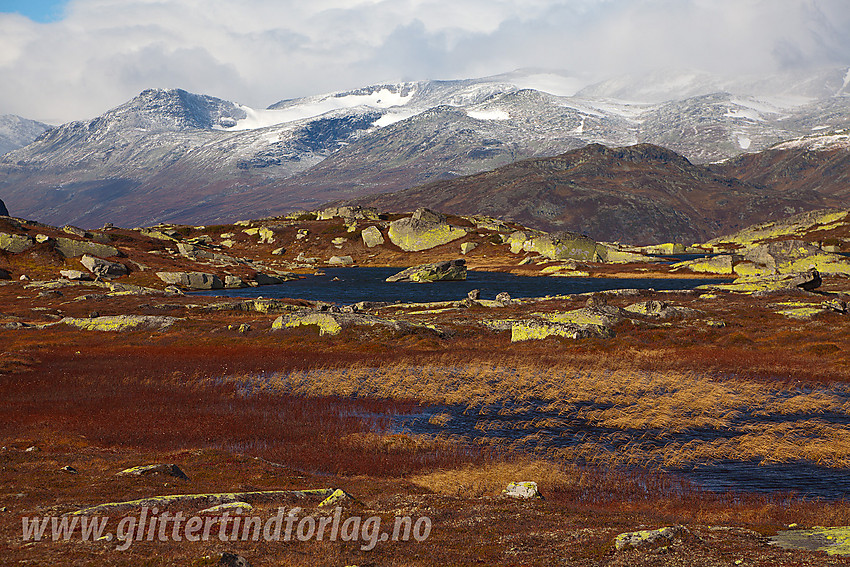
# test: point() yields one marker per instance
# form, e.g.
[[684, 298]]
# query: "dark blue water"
[[367, 284]]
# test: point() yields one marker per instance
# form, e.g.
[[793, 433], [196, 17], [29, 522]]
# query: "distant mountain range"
[[174, 156]]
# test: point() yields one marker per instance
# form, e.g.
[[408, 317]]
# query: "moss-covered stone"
[[644, 537], [71, 248], [372, 236]]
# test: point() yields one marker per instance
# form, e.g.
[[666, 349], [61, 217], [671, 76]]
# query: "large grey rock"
[[329, 323], [103, 268], [340, 260], [120, 322], [266, 279], [71, 248], [191, 280], [427, 215], [372, 236], [4, 212], [661, 310], [525, 489], [413, 235], [14, 243], [75, 275], [356, 212], [562, 246], [781, 251], [453, 270]]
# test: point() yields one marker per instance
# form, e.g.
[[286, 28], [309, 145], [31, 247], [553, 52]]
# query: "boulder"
[[191, 280], [453, 270], [340, 260], [160, 469], [474, 294], [427, 215], [467, 247], [229, 559], [372, 236], [233, 282], [265, 279], [525, 489], [75, 275], [503, 297], [413, 235], [339, 241], [327, 323], [103, 268], [4, 212], [70, 229], [646, 537], [71, 248], [14, 243]]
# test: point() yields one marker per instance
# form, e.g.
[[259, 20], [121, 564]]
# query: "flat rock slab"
[[834, 541], [211, 499], [160, 468], [120, 322], [191, 280]]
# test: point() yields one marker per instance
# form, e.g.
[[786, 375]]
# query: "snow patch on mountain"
[[302, 109], [824, 142], [494, 114]]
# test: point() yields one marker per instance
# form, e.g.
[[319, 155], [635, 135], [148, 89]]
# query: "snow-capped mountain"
[[17, 132], [170, 155]]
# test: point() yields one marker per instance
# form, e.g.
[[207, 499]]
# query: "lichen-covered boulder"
[[454, 270], [832, 540], [103, 268], [75, 275], [413, 235], [645, 537], [525, 489], [566, 246], [536, 329], [372, 236], [468, 247], [356, 212], [15, 243], [720, 264], [661, 310], [326, 322], [191, 280], [71, 248], [159, 468]]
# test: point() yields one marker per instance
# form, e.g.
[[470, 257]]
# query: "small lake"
[[367, 284]]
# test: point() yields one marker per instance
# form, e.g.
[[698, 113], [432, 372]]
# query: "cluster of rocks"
[[453, 270]]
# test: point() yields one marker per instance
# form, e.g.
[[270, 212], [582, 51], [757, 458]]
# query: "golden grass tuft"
[[491, 479]]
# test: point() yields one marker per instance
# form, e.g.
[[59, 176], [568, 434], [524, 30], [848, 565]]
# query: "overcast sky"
[[71, 60]]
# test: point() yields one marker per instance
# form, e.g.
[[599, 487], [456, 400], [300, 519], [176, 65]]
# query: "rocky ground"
[[108, 363]]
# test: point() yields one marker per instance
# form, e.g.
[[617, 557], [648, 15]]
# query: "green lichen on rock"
[[119, 323], [414, 235], [536, 330], [565, 246], [721, 264], [238, 507], [325, 322], [644, 537], [372, 236], [833, 541], [14, 243]]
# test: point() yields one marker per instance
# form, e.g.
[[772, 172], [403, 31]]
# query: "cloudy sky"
[[74, 59]]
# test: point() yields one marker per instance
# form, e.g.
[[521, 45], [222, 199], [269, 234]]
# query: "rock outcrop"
[[720, 264], [4, 212], [646, 537], [453, 270], [71, 248], [191, 280], [329, 323], [157, 469], [120, 322]]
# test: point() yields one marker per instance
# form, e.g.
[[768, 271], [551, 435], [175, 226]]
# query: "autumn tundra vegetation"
[[416, 410]]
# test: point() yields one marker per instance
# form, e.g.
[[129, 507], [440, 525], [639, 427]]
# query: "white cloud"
[[259, 51]]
